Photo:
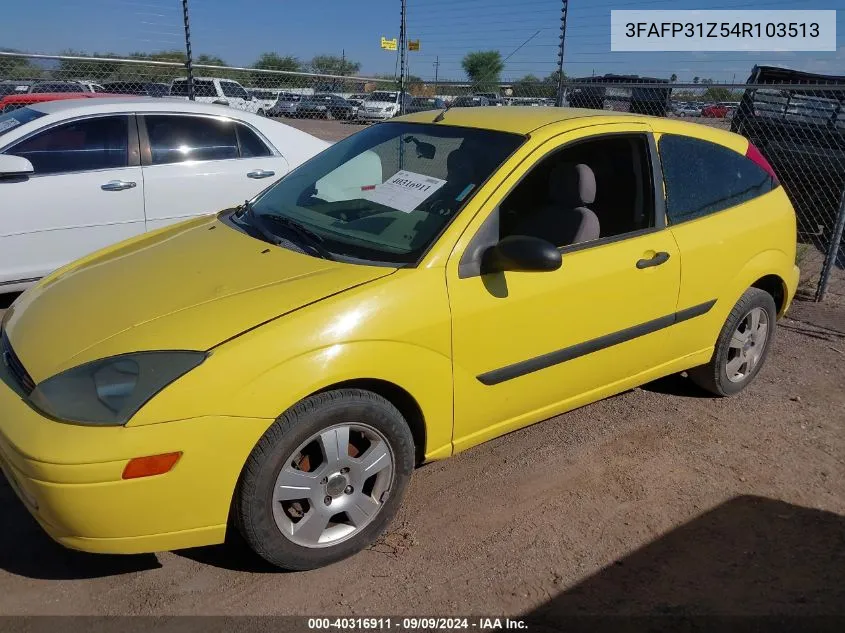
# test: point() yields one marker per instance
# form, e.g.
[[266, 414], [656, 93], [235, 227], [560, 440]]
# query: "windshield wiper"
[[305, 234], [266, 234]]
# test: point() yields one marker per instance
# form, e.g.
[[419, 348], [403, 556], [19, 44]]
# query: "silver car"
[[286, 105]]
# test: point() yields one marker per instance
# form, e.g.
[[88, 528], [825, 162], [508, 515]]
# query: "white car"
[[381, 105], [225, 92], [265, 99], [80, 174]]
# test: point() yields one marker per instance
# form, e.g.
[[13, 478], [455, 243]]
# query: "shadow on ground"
[[26, 550], [234, 555], [750, 564]]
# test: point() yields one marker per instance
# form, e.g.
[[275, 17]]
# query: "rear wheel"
[[325, 480], [742, 347]]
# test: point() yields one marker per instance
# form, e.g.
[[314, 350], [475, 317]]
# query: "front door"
[[87, 192], [528, 345]]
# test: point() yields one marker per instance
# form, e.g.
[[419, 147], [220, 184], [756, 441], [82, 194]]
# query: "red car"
[[15, 101], [715, 111]]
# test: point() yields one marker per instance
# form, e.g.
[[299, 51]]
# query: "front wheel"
[[742, 347], [325, 479]]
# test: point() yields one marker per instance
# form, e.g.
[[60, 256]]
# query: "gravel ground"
[[660, 500]]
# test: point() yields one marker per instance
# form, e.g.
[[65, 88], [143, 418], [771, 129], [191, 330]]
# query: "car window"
[[202, 88], [96, 143], [384, 96], [176, 139], [251, 145], [554, 201], [385, 193], [233, 90], [12, 119], [703, 178]]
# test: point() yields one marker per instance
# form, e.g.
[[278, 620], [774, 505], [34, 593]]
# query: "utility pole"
[[563, 11], [436, 69], [342, 65], [402, 45], [189, 59]]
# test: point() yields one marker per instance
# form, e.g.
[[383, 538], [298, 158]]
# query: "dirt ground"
[[660, 500]]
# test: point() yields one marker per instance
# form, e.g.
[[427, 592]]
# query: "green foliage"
[[483, 69], [333, 65], [716, 93], [533, 86], [18, 67], [274, 61]]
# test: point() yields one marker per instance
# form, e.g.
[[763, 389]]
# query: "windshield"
[[10, 120], [384, 194], [384, 96]]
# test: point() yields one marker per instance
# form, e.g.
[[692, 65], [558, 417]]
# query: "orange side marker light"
[[151, 465]]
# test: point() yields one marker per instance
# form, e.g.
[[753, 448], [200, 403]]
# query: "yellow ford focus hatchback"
[[416, 289]]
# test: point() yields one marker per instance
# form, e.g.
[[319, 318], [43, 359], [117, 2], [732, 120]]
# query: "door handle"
[[659, 258], [117, 185], [260, 173]]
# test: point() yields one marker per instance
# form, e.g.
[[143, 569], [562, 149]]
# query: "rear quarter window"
[[703, 178]]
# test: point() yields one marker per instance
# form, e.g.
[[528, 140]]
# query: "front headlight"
[[108, 392]]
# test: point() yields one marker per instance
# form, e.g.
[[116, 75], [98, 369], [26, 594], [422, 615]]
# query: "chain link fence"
[[798, 127]]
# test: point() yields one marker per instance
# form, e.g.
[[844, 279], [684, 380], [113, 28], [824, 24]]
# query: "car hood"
[[191, 286]]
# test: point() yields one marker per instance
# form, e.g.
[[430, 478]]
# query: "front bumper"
[[374, 116], [69, 477]]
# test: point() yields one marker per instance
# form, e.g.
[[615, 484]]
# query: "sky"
[[526, 32]]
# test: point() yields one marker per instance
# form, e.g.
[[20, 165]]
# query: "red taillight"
[[754, 155]]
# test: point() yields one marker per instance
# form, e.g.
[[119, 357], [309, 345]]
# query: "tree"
[[716, 93], [274, 61], [527, 86], [18, 67], [333, 65], [673, 78], [79, 69], [483, 69], [695, 80]]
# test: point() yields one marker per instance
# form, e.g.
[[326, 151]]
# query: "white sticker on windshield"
[[404, 191], [8, 124]]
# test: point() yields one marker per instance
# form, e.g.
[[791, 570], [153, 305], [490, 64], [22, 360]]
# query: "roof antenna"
[[440, 116]]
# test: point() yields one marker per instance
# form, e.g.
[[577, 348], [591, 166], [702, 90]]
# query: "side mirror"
[[521, 253], [15, 166]]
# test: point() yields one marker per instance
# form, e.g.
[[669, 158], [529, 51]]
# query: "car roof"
[[130, 104], [527, 119], [517, 119]]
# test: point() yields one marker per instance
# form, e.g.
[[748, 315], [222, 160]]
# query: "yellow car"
[[418, 288]]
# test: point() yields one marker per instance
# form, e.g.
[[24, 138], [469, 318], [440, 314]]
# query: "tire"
[[726, 374], [261, 517], [261, 113]]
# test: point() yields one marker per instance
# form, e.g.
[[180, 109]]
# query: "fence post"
[[189, 60], [832, 251], [402, 61], [563, 11]]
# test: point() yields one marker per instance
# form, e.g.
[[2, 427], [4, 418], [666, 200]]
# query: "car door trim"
[[12, 282], [584, 348], [132, 146], [146, 149]]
